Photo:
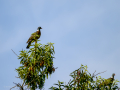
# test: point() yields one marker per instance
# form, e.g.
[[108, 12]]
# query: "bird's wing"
[[109, 81], [37, 34], [31, 37]]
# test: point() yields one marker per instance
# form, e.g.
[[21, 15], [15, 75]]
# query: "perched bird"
[[108, 81], [34, 36]]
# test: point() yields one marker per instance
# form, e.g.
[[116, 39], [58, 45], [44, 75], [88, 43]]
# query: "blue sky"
[[84, 32]]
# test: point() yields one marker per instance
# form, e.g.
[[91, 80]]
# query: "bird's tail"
[[28, 45]]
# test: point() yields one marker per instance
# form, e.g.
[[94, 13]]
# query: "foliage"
[[83, 80], [37, 64]]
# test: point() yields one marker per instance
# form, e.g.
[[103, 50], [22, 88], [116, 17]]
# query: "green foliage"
[[37, 64], [82, 80], [59, 85]]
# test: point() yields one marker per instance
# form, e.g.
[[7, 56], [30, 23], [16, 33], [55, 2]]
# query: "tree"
[[37, 64], [83, 80]]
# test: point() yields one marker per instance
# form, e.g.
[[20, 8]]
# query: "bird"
[[108, 81], [33, 37]]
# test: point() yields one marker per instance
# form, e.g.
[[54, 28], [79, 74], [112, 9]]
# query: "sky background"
[[84, 32]]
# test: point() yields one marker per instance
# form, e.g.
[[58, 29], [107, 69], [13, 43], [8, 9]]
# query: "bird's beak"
[[41, 28]]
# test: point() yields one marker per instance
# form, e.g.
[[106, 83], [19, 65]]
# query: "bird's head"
[[39, 28], [113, 75]]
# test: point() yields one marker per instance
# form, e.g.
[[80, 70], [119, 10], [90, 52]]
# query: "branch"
[[14, 53], [12, 87], [97, 73]]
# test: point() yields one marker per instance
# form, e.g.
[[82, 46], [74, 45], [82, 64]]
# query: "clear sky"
[[84, 32]]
